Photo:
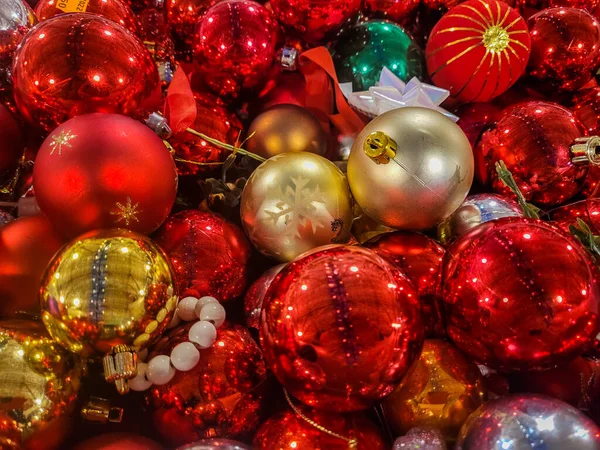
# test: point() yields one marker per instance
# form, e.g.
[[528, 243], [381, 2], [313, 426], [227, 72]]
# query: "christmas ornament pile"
[[316, 225]]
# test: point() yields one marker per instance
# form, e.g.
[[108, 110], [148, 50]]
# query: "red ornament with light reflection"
[[478, 50], [118, 441], [534, 140], [586, 108], [104, 171], [209, 254], [183, 16], [475, 118], [565, 48], [420, 258], [235, 46], [288, 431], [116, 10], [340, 327], [113, 71], [586, 210], [519, 294], [255, 295], [315, 20], [16, 18], [222, 396]]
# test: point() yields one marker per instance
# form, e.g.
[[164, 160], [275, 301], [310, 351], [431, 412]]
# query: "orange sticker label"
[[70, 6]]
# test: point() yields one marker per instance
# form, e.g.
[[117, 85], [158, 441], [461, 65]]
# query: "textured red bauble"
[[113, 71], [26, 247], [519, 294], [209, 254], [315, 21], [115, 10], [12, 141], [288, 431], [586, 107], [222, 396], [475, 118], [565, 48], [16, 18], [478, 50], [340, 327], [104, 171], [586, 210], [255, 295], [118, 441], [236, 45], [534, 140], [183, 17], [420, 258]]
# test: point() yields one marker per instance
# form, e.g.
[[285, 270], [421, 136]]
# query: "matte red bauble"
[[236, 45], [478, 50], [115, 10], [26, 247], [16, 18], [520, 294], [104, 171], [534, 140], [565, 48], [214, 120], [222, 396], [340, 327], [253, 300], [475, 118], [183, 17], [12, 141], [112, 73], [420, 258], [209, 254], [586, 210], [288, 431], [118, 441], [315, 21]]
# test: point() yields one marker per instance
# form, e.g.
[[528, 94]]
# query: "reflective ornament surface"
[[113, 72], [511, 306], [475, 118], [586, 107], [39, 383], [221, 397], [475, 210], [429, 158], [253, 300], [340, 327], [421, 439], [118, 441], [107, 288], [440, 391], [586, 210], [294, 202], [183, 16], [364, 50], [215, 444], [16, 18], [526, 421]]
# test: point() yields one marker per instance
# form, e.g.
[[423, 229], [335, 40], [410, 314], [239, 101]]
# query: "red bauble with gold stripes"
[[478, 50]]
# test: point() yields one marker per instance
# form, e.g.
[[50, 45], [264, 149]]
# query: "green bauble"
[[365, 49]]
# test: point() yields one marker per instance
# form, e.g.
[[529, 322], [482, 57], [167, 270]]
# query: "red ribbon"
[[180, 105]]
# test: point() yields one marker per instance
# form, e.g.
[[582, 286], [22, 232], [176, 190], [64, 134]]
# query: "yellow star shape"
[[127, 212], [61, 139]]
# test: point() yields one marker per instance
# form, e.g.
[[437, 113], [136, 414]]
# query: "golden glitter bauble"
[[440, 390], [39, 382], [294, 202], [410, 168], [106, 289], [286, 128]]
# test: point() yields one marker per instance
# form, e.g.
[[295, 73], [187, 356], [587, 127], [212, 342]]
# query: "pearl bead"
[[213, 312], [203, 333], [140, 382], [186, 308], [185, 356], [160, 371], [174, 321], [202, 302]]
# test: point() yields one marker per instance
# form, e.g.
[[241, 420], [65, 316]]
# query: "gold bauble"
[[440, 390], [294, 202], [105, 289], [410, 168], [39, 383], [286, 128]]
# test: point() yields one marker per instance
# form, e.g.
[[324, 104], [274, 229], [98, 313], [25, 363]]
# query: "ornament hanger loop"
[[380, 147], [586, 150]]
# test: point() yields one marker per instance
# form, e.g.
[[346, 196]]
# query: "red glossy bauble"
[[213, 120], [289, 90], [475, 118], [26, 247], [592, 180], [222, 396], [12, 142], [565, 48], [420, 258], [586, 107], [288, 431], [115, 10], [519, 294], [253, 300], [478, 50], [315, 21], [340, 327], [209, 254], [16, 18], [534, 140], [118, 441], [235, 45], [112, 73], [586, 210], [104, 171], [183, 17]]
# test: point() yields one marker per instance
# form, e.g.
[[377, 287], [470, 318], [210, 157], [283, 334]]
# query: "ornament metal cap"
[[120, 365], [586, 150], [380, 147], [289, 58], [99, 410], [158, 123]]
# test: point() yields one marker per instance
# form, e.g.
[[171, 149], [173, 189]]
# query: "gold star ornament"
[[61, 140], [126, 213]]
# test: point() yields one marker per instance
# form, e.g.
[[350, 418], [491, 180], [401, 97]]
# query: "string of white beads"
[[185, 356]]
